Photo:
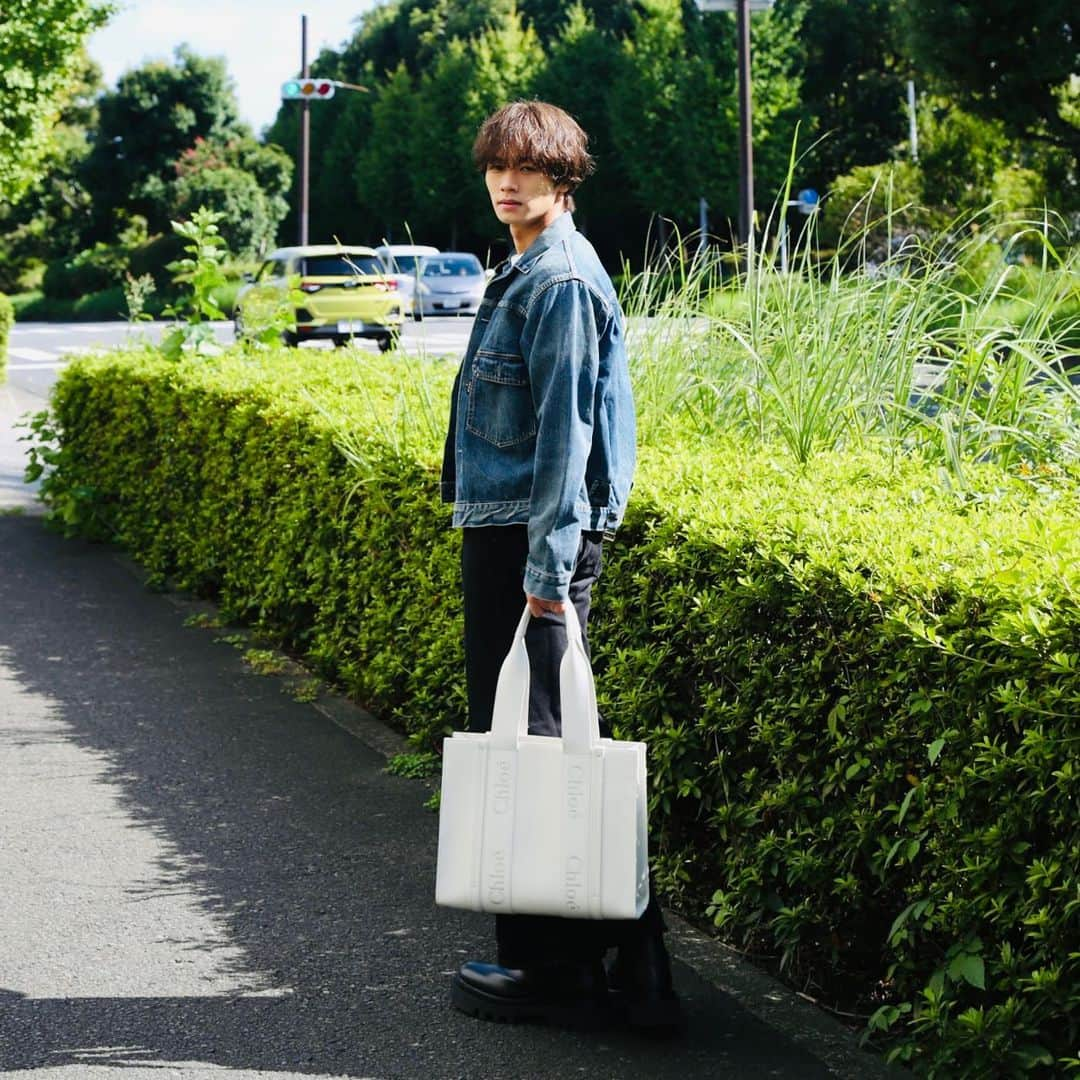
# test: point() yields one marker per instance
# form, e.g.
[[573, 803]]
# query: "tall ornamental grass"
[[945, 344]]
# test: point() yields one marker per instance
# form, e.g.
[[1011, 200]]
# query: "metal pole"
[[746, 144], [305, 137], [913, 120]]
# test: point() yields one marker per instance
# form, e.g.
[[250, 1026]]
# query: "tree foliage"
[[40, 52], [1006, 60], [156, 113], [49, 217], [243, 181], [653, 82], [853, 86]]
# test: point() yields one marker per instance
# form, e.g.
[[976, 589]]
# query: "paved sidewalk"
[[201, 875], [17, 404]]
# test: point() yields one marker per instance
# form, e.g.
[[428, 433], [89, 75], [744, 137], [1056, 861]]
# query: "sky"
[[260, 40]]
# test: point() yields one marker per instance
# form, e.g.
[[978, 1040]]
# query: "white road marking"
[[23, 353]]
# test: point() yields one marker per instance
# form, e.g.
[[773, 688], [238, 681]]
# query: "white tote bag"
[[530, 824]]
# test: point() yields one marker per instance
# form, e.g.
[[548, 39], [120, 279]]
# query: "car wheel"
[[288, 338], [340, 341], [418, 315], [389, 341]]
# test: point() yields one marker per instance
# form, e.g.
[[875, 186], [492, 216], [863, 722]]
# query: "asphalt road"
[[201, 875]]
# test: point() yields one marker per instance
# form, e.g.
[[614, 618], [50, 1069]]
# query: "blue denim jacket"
[[542, 423]]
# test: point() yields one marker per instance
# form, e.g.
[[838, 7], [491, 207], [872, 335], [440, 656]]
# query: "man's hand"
[[537, 606]]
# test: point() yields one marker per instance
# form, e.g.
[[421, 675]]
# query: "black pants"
[[493, 566]]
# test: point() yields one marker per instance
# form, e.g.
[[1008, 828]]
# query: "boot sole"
[[474, 1002]]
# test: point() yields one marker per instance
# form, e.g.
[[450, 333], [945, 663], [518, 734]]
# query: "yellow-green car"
[[339, 293]]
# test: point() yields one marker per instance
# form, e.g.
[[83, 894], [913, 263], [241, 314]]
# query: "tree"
[[46, 221], [853, 87], [671, 118], [506, 59], [243, 181], [40, 52], [415, 32], [156, 113], [580, 64], [444, 180], [967, 175], [384, 182], [1007, 60], [549, 17], [245, 226]]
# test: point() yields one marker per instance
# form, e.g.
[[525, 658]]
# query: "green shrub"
[[108, 305], [248, 224], [93, 307], [7, 318], [154, 256], [860, 691], [90, 271]]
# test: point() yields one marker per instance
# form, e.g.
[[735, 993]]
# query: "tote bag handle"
[[577, 692]]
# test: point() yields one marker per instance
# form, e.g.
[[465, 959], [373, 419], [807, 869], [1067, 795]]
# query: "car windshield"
[[340, 265], [403, 264], [455, 266]]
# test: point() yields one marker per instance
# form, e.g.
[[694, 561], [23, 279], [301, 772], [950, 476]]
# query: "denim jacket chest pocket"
[[500, 408]]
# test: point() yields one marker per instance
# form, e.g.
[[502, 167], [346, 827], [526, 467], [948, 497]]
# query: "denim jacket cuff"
[[546, 585]]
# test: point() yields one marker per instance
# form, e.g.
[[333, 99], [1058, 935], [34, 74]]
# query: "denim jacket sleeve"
[[560, 343]]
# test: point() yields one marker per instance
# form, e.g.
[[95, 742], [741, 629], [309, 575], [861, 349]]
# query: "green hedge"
[[108, 305], [7, 320], [860, 692]]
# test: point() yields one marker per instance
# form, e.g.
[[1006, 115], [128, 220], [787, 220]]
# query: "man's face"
[[523, 196]]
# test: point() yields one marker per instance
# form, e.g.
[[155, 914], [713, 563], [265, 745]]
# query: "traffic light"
[[307, 90]]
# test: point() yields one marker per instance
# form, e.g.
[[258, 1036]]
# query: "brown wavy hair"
[[538, 133]]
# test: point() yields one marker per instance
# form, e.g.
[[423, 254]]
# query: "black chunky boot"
[[570, 995], [640, 987]]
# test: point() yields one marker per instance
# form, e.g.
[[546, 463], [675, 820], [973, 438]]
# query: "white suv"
[[403, 262]]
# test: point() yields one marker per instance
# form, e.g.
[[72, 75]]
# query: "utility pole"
[[742, 9], [746, 129], [305, 138], [305, 90]]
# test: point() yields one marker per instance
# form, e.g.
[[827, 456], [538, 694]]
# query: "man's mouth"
[[509, 202]]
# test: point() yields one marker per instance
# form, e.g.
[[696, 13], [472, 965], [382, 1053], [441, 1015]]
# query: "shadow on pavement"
[[286, 832]]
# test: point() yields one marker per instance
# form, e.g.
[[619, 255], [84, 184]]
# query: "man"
[[538, 464]]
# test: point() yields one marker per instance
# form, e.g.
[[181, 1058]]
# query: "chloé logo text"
[[575, 882], [575, 791], [496, 883], [501, 789]]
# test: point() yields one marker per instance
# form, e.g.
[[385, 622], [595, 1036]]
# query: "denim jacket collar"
[[554, 234]]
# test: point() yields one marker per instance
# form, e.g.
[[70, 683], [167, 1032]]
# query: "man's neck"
[[524, 235]]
